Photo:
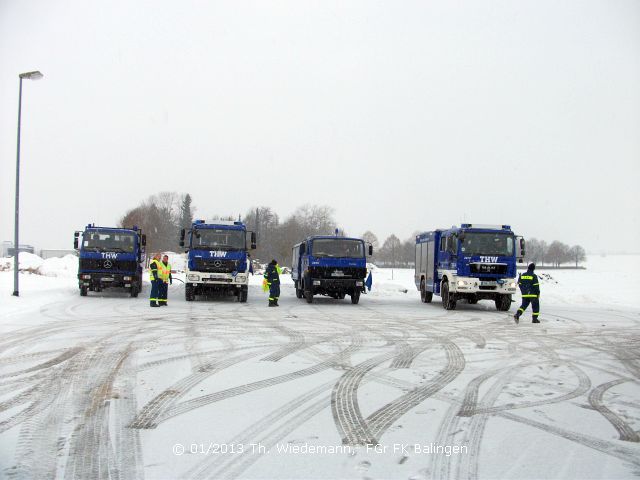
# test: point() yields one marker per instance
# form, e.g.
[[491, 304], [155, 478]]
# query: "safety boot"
[[272, 303], [535, 320], [516, 317], [153, 304]]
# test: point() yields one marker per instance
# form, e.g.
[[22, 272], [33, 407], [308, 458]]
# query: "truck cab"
[[330, 265], [110, 258], [471, 262], [218, 258]]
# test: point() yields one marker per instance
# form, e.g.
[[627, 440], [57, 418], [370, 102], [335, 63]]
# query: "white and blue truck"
[[471, 262], [110, 258], [218, 258], [330, 265]]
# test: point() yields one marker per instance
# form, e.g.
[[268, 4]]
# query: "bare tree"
[[558, 253], [577, 254], [159, 218], [390, 251]]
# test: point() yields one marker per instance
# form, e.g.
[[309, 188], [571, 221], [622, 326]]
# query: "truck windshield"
[[338, 247], [218, 238], [107, 240], [487, 244]]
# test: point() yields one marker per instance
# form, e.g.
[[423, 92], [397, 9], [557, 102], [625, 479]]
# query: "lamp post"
[[36, 75]]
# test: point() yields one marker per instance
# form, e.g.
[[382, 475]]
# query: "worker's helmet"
[[532, 266]]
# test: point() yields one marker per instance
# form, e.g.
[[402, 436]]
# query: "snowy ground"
[[105, 387]]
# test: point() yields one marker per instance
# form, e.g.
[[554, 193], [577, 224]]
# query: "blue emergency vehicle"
[[218, 258], [330, 265], [110, 257], [471, 262]]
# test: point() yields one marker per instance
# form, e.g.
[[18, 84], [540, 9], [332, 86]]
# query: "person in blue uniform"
[[272, 277], [530, 289]]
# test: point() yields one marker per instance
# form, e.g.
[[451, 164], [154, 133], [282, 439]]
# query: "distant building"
[[8, 251]]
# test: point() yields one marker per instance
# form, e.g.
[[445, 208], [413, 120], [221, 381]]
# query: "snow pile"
[[66, 266]]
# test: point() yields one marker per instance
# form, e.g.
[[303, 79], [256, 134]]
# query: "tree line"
[[163, 215], [555, 253]]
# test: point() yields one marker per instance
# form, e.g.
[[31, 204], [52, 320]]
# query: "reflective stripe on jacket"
[[154, 269], [529, 284], [164, 271]]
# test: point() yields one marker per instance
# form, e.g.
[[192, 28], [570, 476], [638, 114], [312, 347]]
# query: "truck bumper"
[[100, 281], [217, 280], [470, 285], [339, 285]]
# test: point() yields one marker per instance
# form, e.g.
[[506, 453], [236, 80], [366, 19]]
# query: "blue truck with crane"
[[110, 258], [471, 262], [330, 265], [218, 258]]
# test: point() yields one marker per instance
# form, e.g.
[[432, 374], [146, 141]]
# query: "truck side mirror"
[[370, 250], [253, 241], [143, 240], [303, 248], [520, 252], [75, 243], [182, 232]]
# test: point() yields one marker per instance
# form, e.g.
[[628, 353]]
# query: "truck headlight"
[[193, 277], [241, 278], [461, 283], [316, 282], [86, 277], [126, 279], [512, 285], [359, 284]]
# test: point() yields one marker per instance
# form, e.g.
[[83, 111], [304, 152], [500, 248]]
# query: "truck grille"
[[217, 266], [108, 265], [488, 268], [338, 273]]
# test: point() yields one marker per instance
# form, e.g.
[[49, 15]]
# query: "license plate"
[[107, 279], [337, 274], [488, 284]]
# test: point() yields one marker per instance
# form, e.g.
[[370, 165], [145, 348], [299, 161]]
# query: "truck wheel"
[[308, 295], [448, 300], [189, 292], [472, 300], [299, 293], [134, 291], [425, 296], [355, 297], [503, 303], [83, 291], [242, 296], [341, 296]]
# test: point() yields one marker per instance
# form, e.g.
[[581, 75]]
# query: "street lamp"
[[16, 245]]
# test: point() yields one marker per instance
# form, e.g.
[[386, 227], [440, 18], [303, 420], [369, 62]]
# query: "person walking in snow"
[[272, 279], [530, 289]]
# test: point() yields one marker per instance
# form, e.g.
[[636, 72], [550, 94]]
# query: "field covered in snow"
[[105, 387]]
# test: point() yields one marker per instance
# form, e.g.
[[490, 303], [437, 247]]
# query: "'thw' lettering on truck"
[[471, 262], [110, 257], [330, 265], [219, 259]]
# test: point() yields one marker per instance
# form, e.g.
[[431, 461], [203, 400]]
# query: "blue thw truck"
[[218, 258], [330, 265], [471, 262], [110, 257]]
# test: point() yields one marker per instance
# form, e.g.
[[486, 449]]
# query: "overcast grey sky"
[[402, 115]]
